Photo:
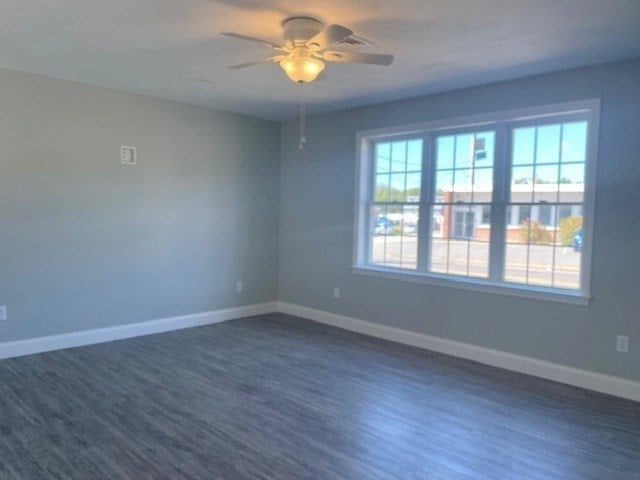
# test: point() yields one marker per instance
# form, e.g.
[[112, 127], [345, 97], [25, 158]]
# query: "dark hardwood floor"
[[276, 397]]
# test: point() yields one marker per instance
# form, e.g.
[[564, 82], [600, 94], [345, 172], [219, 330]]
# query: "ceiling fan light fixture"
[[301, 66]]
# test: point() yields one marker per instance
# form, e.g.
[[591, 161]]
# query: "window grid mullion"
[[426, 198], [371, 199], [555, 230], [498, 216]]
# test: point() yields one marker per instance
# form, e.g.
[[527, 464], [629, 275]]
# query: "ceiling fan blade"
[[277, 58], [357, 41], [252, 39], [330, 35], [358, 57]]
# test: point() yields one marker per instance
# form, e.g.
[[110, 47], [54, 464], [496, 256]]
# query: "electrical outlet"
[[622, 344], [239, 286], [336, 292], [3, 312]]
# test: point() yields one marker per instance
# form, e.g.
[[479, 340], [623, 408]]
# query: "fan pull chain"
[[303, 139]]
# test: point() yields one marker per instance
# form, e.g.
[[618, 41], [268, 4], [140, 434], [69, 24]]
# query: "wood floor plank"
[[278, 397]]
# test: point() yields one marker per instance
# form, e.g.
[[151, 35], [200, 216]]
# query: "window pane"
[[471, 178], [482, 179], [461, 227], [547, 174], [383, 158], [414, 155], [545, 214], [377, 250], [439, 256], [410, 217], [482, 230], [409, 238], [444, 152], [399, 156], [568, 247], [439, 247], [572, 173], [486, 216], [569, 224], [522, 176], [380, 225], [540, 267], [522, 184], [484, 149], [464, 144], [393, 227], [524, 214], [539, 249], [523, 145], [458, 254], [444, 186], [437, 220], [378, 229], [397, 190], [462, 181], [382, 228], [413, 187], [409, 252], [564, 211], [529, 264], [393, 250], [455, 247], [567, 268], [482, 184], [540, 233], [463, 221], [572, 183], [515, 269], [395, 236], [574, 142], [479, 259], [516, 214], [546, 184], [382, 188], [548, 144]]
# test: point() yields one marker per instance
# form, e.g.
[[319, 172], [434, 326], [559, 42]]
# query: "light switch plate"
[[622, 344], [128, 155]]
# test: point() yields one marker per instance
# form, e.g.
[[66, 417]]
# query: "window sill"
[[532, 292]]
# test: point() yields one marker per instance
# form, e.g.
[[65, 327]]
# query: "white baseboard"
[[100, 335], [598, 382]]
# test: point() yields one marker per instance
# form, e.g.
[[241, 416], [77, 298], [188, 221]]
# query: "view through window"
[[504, 204]]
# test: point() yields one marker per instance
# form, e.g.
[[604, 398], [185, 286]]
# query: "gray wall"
[[316, 229], [86, 242]]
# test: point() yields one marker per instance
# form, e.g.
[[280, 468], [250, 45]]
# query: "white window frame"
[[502, 122]]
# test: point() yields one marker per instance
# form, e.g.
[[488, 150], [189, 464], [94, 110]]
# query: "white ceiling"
[[166, 48]]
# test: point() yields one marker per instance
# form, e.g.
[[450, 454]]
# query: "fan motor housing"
[[298, 30]]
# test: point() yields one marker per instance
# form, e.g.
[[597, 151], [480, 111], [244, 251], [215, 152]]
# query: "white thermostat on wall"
[[128, 155]]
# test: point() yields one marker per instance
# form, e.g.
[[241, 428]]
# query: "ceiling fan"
[[306, 48]]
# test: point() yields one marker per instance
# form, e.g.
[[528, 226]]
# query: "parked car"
[[577, 240], [384, 226]]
